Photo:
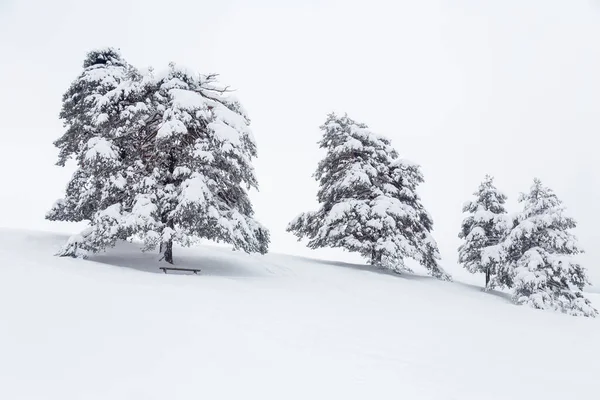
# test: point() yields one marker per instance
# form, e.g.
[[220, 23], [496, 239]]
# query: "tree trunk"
[[166, 248], [376, 257], [487, 278], [168, 254]]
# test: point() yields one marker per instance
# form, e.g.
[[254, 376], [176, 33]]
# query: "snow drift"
[[270, 327]]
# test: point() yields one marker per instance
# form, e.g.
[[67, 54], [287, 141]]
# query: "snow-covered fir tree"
[[482, 229], [368, 201], [196, 168], [91, 114], [99, 111], [539, 251], [165, 158]]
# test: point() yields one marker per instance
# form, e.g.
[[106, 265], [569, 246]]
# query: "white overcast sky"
[[462, 87]]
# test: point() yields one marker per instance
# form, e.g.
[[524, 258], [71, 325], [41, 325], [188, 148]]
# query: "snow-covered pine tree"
[[98, 112], [197, 168], [368, 201], [540, 250], [164, 159], [87, 135], [483, 227]]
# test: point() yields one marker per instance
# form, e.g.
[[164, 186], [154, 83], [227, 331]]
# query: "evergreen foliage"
[[482, 229], [161, 157], [540, 252], [368, 201]]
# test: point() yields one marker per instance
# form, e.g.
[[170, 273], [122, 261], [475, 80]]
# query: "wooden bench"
[[195, 271]]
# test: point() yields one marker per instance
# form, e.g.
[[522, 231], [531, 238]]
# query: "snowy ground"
[[271, 327]]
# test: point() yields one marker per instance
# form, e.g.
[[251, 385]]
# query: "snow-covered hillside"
[[271, 327]]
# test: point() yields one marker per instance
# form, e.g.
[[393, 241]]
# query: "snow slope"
[[270, 327]]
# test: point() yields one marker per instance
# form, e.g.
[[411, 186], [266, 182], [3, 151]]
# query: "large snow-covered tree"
[[161, 157], [540, 252], [482, 229], [197, 168], [368, 201]]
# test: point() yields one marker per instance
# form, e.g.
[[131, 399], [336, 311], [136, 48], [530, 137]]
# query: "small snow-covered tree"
[[165, 158], [368, 201], [540, 250], [482, 230]]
